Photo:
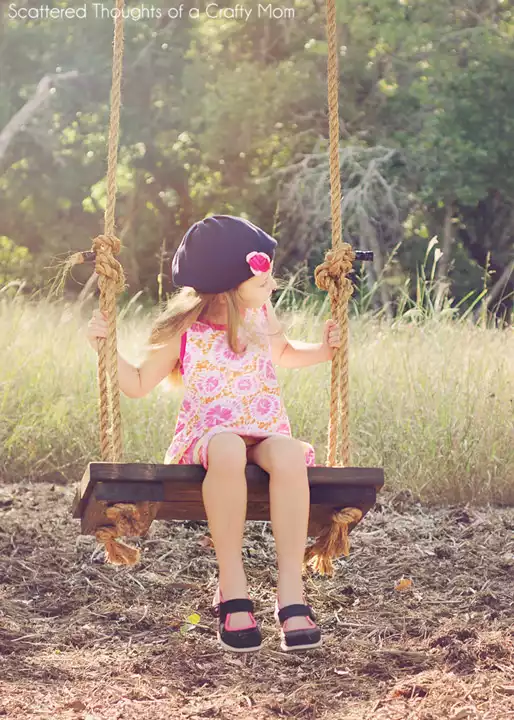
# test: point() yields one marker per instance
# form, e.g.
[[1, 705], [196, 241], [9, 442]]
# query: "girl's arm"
[[136, 382], [156, 366]]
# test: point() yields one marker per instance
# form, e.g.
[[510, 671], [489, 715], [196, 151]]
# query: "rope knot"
[[131, 519], [331, 274], [106, 265], [102, 242]]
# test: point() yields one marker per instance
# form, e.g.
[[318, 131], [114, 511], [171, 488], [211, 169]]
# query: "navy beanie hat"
[[219, 252]]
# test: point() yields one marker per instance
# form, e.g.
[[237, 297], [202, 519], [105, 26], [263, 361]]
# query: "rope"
[[331, 276], [128, 519]]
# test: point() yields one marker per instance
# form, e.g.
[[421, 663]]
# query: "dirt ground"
[[83, 640]]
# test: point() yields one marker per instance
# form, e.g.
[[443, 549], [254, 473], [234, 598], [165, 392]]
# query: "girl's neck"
[[220, 318]]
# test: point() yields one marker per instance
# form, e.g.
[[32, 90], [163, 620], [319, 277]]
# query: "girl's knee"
[[287, 455], [227, 450]]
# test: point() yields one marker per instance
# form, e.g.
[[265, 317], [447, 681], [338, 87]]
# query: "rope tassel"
[[129, 520], [332, 542], [116, 552]]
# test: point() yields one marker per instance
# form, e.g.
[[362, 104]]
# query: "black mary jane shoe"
[[305, 639], [245, 640]]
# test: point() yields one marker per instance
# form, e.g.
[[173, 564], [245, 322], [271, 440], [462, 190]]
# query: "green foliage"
[[465, 144], [216, 113], [13, 260]]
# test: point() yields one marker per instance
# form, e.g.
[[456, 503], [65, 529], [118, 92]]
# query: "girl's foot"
[[235, 620], [288, 596], [232, 636], [298, 627]]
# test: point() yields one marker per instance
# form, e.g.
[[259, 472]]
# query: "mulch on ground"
[[83, 640]]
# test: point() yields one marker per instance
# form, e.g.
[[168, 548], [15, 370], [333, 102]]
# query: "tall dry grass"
[[431, 393]]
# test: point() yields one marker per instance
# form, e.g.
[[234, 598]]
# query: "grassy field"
[[431, 398]]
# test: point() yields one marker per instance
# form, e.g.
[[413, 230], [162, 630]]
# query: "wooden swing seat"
[[178, 490]]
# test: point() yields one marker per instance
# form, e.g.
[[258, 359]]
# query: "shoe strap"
[[232, 606], [298, 610]]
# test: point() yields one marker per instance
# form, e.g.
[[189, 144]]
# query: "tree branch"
[[17, 123], [499, 284]]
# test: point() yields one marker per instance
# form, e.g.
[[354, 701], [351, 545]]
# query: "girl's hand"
[[96, 327], [331, 338]]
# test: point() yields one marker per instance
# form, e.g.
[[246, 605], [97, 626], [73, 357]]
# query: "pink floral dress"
[[226, 392]]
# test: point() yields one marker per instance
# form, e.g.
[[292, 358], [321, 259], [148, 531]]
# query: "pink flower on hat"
[[259, 262]]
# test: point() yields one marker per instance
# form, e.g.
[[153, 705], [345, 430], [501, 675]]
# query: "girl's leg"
[[224, 495], [284, 460]]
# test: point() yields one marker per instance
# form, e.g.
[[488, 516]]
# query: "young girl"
[[220, 336]]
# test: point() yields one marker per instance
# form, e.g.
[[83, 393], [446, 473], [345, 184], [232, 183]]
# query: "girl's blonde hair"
[[182, 310]]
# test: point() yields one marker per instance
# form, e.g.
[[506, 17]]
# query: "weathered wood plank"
[[324, 500], [175, 495], [94, 516], [178, 490], [82, 494], [186, 480], [196, 473]]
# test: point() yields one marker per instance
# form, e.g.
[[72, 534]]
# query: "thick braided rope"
[[128, 519], [109, 270], [331, 264], [331, 276], [111, 282]]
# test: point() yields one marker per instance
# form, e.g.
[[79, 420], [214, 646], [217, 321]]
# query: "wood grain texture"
[[178, 490]]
